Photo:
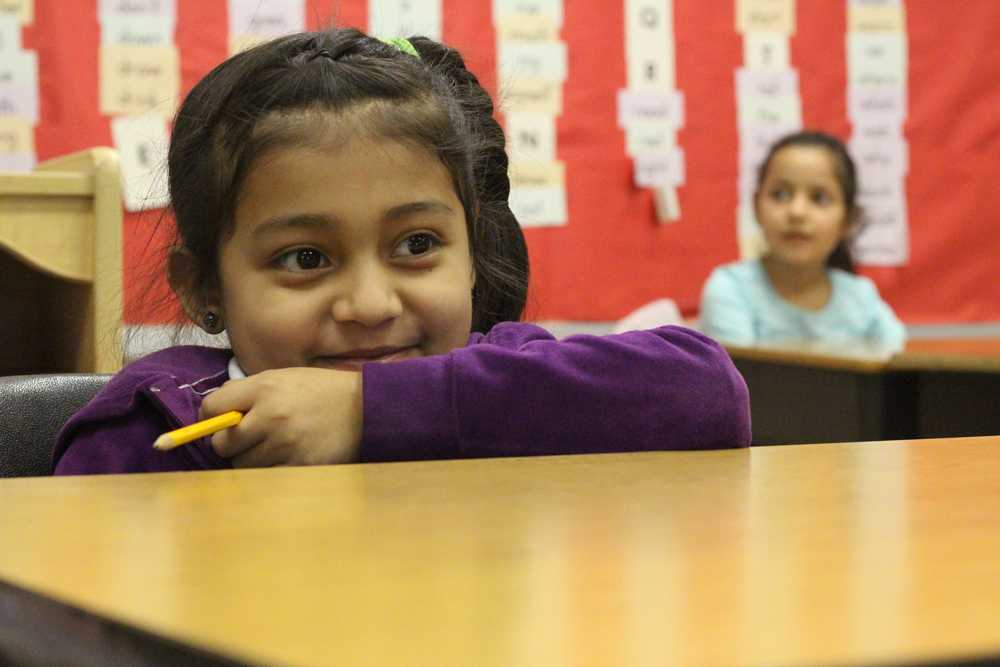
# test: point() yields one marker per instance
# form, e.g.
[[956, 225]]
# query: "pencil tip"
[[163, 442]]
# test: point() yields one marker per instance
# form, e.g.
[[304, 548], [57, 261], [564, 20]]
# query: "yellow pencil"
[[205, 427]]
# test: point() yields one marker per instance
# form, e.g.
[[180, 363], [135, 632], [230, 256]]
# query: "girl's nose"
[[798, 206], [368, 296]]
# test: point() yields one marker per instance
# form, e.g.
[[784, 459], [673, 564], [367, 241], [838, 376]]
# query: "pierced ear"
[[183, 275]]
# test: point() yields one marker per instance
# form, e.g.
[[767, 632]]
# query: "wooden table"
[[803, 555], [815, 393]]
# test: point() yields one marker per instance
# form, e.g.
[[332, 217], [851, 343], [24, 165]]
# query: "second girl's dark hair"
[[847, 177], [433, 101]]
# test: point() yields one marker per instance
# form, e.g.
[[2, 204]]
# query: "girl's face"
[[344, 255], [800, 207]]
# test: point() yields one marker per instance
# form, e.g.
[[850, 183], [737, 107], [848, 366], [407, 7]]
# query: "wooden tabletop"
[[800, 555], [952, 354]]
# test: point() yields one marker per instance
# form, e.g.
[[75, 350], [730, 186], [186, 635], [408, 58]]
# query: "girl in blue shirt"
[[804, 287]]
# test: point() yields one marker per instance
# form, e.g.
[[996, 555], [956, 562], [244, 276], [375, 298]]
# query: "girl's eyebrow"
[[320, 221], [302, 221], [414, 208]]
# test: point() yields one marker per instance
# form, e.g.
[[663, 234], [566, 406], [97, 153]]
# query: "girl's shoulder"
[[858, 288], [160, 391]]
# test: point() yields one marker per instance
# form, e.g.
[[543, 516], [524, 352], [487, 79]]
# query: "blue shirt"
[[739, 306]]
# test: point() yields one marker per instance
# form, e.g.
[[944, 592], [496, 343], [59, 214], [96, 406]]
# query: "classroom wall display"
[[18, 89], [912, 85]]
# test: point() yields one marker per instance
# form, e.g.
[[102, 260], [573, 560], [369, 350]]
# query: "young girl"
[[341, 206], [804, 287]]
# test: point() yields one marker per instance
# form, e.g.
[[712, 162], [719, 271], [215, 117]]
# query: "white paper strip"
[[163, 9], [142, 31], [539, 206], [649, 44], [142, 148], [552, 9], [10, 34], [271, 18], [405, 18], [532, 60], [531, 137], [645, 106], [765, 50]]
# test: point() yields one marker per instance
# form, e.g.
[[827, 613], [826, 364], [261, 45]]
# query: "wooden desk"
[[803, 555], [815, 393]]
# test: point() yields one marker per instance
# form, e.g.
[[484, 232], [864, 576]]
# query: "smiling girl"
[[341, 208], [804, 287]]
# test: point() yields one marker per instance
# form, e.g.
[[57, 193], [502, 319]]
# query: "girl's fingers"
[[230, 442], [233, 395]]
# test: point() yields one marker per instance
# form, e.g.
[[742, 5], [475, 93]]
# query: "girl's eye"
[[303, 259], [416, 245], [822, 198], [781, 195]]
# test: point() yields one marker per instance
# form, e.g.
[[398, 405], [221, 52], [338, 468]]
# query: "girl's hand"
[[292, 416]]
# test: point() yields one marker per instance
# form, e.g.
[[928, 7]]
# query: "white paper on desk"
[[649, 137], [647, 105], [773, 82], [137, 31], [885, 238], [650, 44], [17, 162], [10, 34], [142, 148], [24, 10], [783, 111], [532, 60], [405, 18], [266, 17], [17, 135], [870, 103], [539, 206], [765, 50], [531, 136], [651, 170], [162, 9], [552, 9]]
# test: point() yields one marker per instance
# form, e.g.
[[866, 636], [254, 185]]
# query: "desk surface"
[[955, 354], [801, 555]]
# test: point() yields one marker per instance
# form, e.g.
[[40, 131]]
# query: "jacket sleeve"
[[518, 392], [725, 314]]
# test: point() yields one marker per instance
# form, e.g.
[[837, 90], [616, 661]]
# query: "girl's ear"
[[183, 274]]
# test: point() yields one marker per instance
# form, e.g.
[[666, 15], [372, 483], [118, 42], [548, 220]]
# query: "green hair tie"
[[403, 45]]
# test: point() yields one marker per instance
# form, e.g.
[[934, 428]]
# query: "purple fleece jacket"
[[516, 391]]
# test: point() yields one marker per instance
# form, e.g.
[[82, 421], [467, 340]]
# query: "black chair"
[[32, 410]]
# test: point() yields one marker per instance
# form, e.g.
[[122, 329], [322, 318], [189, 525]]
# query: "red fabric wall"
[[613, 256]]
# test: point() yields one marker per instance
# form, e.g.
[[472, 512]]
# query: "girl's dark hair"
[[846, 174], [433, 101]]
